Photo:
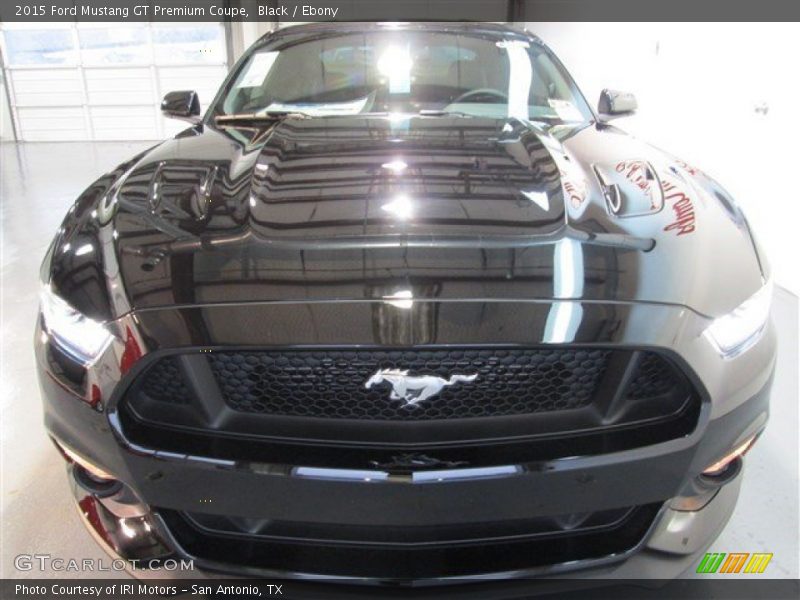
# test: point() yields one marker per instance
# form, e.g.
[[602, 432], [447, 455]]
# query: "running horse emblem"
[[414, 389]]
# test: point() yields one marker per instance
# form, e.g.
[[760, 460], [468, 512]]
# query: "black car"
[[401, 307]]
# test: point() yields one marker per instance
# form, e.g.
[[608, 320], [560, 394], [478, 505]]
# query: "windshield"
[[406, 72]]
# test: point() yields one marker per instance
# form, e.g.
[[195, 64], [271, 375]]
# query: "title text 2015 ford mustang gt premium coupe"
[[400, 306]]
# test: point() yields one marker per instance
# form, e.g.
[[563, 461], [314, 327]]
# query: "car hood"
[[355, 208]]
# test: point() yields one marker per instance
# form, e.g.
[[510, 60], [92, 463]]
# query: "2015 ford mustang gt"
[[400, 306]]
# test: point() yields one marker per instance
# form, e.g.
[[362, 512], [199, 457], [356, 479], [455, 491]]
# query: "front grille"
[[331, 383], [165, 383], [313, 404], [654, 377], [272, 412]]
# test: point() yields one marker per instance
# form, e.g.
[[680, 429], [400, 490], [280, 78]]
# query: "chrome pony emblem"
[[414, 389]]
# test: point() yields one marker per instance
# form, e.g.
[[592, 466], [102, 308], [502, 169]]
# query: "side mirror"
[[183, 105], [613, 104]]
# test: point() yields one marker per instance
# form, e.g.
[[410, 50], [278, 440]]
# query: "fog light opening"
[[95, 485], [721, 466]]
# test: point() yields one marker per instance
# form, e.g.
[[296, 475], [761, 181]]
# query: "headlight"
[[738, 330], [78, 335]]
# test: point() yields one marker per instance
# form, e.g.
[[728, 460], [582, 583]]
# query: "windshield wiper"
[[269, 117]]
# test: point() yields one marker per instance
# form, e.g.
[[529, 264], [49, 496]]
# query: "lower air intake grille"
[[211, 538]]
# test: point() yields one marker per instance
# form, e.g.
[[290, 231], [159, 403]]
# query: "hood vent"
[[631, 188]]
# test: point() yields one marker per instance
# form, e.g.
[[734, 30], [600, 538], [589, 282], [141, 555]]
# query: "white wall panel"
[[120, 86], [6, 125], [47, 87], [111, 80], [57, 123], [124, 122]]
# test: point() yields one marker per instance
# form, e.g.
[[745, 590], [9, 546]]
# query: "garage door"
[[103, 81]]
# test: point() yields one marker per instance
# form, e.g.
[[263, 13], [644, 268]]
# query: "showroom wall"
[[722, 96], [96, 81], [6, 125], [244, 34]]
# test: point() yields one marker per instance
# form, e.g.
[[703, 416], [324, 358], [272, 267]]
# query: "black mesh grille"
[[204, 401], [654, 377], [331, 384], [164, 382]]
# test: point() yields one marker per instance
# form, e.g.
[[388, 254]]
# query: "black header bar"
[[397, 10]]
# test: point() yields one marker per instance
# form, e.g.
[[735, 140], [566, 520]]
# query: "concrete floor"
[[40, 181]]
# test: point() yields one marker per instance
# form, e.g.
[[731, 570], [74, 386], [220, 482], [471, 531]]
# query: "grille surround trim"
[[357, 444], [293, 375]]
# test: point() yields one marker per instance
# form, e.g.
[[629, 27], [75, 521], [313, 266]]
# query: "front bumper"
[[672, 543], [160, 485]]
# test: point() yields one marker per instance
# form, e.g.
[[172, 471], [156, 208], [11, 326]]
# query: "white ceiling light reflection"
[[401, 299], [127, 529], [395, 63], [568, 277], [568, 267], [85, 249], [398, 123], [540, 199], [394, 59], [396, 166], [519, 78], [400, 207]]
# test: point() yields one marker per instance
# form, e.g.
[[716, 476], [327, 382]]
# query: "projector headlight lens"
[[735, 332], [79, 336]]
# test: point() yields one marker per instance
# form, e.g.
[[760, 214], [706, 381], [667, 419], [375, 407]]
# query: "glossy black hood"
[[352, 208], [383, 181]]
